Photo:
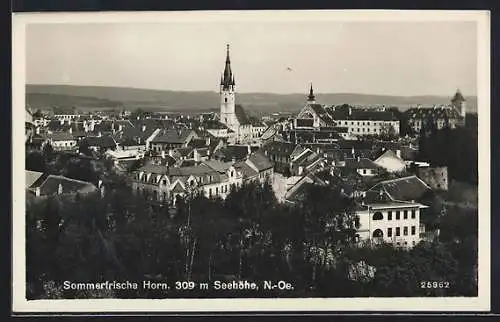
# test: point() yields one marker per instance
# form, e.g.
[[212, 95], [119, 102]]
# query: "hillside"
[[40, 96]]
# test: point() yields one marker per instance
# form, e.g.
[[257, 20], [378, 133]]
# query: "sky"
[[378, 57]]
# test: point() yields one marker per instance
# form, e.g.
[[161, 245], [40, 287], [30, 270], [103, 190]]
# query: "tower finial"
[[311, 97]]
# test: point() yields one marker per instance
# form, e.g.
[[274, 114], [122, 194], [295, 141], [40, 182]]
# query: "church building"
[[243, 129]]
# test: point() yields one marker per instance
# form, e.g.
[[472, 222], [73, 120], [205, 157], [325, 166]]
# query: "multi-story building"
[[392, 222], [365, 121], [160, 183], [451, 115]]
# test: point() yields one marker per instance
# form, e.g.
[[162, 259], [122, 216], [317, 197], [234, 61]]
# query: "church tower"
[[227, 95], [311, 99], [458, 102]]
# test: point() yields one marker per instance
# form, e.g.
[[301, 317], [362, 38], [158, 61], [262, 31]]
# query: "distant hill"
[[43, 96]]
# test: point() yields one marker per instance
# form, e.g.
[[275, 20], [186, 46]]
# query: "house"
[[49, 185], [362, 166], [62, 141], [392, 222], [365, 122], [410, 188], [280, 154], [171, 139], [390, 161], [304, 161], [255, 167], [164, 184], [233, 153], [32, 177], [99, 143]]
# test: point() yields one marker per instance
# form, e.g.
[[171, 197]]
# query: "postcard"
[[251, 161]]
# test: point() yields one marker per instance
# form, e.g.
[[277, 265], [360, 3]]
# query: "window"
[[389, 215], [389, 232], [405, 231], [216, 190], [225, 99], [210, 192], [364, 171], [398, 231], [378, 216], [397, 215], [413, 214], [405, 214], [413, 230]]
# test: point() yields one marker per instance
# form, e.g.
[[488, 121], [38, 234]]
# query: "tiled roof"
[[50, 185], [32, 177], [260, 161], [218, 166], [389, 154], [227, 153], [103, 141], [61, 136], [172, 136], [361, 115], [362, 163], [433, 113], [245, 169], [153, 168], [213, 125], [403, 189], [279, 148]]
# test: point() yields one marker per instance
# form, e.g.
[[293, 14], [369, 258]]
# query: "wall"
[[368, 225], [436, 177]]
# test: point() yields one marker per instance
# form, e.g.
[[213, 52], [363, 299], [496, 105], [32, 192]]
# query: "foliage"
[[455, 148], [249, 235]]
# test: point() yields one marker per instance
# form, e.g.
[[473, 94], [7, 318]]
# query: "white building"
[[393, 222], [390, 161]]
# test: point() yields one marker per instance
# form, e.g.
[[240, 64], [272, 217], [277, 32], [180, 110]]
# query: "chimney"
[[398, 153], [37, 131], [99, 184], [350, 111], [60, 189], [61, 121], [37, 191], [207, 141], [358, 158], [143, 128], [249, 150], [233, 160], [99, 134], [163, 154], [381, 194], [70, 130], [353, 152], [171, 152], [120, 128]]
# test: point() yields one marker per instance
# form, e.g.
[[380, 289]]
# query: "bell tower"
[[227, 94]]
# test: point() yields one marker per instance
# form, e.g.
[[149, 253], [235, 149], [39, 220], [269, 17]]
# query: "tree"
[[35, 162]]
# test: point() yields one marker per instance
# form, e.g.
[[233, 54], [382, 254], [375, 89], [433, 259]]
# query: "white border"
[[20, 304]]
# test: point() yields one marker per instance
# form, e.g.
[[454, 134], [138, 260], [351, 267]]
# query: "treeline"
[[248, 236], [455, 148]]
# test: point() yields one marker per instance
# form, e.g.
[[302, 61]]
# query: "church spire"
[[228, 78], [311, 97]]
